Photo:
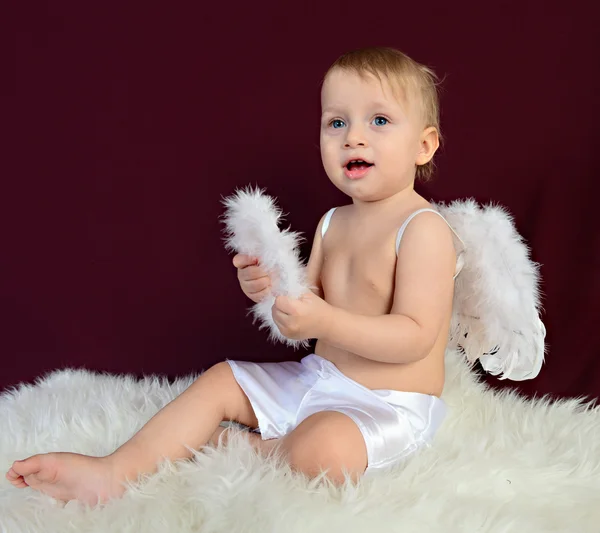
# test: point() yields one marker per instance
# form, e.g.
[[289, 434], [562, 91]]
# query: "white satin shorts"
[[394, 424]]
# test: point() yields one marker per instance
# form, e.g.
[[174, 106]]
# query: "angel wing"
[[251, 221], [496, 300]]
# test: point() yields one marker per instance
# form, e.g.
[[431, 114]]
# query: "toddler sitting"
[[382, 269]]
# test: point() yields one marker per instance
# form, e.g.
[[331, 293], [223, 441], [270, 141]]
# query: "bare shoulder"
[[427, 233], [317, 253], [338, 217], [425, 270], [341, 212]]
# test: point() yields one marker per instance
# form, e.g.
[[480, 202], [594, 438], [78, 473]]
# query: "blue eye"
[[337, 123], [380, 121]]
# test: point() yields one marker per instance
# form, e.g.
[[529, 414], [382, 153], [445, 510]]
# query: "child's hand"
[[305, 318], [254, 281]]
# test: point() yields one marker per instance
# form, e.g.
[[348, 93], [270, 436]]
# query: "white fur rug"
[[500, 463]]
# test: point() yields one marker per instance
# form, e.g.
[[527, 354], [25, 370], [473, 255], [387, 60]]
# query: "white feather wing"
[[497, 300]]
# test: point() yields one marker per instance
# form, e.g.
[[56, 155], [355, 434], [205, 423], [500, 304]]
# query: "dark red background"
[[129, 124]]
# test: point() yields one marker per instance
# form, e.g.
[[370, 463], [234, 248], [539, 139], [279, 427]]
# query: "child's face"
[[362, 120]]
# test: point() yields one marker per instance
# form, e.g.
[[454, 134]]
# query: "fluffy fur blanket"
[[500, 463]]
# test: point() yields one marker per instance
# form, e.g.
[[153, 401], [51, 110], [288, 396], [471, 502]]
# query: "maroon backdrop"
[[131, 123]]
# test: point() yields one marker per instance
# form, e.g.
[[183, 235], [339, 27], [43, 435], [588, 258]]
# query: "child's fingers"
[[256, 285], [242, 261], [284, 305], [258, 296], [251, 273]]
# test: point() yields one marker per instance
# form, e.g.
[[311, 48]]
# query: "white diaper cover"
[[393, 423]]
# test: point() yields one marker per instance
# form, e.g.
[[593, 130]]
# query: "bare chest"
[[358, 271]]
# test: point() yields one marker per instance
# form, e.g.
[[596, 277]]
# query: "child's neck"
[[391, 205]]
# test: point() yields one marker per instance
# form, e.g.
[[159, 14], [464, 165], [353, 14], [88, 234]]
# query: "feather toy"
[[252, 228]]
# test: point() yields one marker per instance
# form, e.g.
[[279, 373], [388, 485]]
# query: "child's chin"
[[359, 190]]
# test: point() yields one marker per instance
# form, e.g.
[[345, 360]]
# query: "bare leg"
[[262, 446], [190, 419]]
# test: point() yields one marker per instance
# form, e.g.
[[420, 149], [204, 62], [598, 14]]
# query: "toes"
[[11, 475], [15, 479], [37, 468], [28, 466]]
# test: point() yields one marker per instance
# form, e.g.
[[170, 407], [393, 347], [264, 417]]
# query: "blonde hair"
[[400, 70]]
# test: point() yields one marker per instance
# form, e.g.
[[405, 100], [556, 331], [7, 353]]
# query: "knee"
[[304, 456], [216, 383], [219, 373], [219, 377], [328, 442], [226, 391], [313, 457]]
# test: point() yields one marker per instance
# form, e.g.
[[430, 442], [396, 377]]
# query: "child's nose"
[[355, 137], [351, 142]]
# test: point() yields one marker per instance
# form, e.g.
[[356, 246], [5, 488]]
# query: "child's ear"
[[429, 143]]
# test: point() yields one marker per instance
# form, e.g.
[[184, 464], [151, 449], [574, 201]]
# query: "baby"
[[383, 270]]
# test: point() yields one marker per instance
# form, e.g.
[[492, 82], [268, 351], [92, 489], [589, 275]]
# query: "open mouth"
[[358, 164], [357, 168]]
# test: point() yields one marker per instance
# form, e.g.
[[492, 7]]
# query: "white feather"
[[251, 219], [496, 300]]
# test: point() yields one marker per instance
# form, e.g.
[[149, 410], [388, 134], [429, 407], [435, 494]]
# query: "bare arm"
[[424, 287], [315, 262]]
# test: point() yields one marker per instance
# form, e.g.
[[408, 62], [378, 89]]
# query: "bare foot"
[[68, 476]]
